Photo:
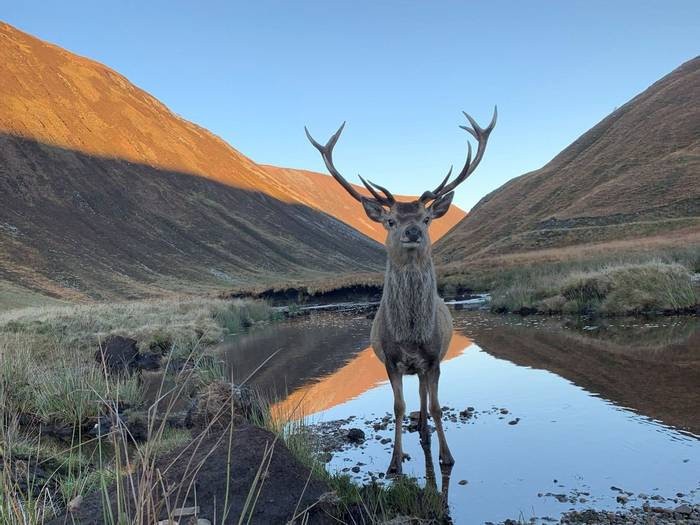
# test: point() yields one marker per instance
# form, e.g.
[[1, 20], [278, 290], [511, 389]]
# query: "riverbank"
[[72, 378], [124, 411]]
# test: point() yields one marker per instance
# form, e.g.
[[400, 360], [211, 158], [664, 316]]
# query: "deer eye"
[[391, 223], [426, 220]]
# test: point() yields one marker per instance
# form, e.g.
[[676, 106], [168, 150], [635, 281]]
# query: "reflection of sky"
[[565, 433]]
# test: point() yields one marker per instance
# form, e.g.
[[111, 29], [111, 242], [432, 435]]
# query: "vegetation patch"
[[651, 287], [67, 419]]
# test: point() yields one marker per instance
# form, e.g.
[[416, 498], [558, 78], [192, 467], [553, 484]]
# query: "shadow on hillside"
[[107, 227]]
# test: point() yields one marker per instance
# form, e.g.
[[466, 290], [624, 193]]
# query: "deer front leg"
[[436, 412], [423, 420], [396, 379]]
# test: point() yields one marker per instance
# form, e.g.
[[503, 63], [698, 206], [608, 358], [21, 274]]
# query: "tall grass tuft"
[[649, 287]]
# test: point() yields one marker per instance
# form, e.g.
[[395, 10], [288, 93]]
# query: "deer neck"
[[409, 300]]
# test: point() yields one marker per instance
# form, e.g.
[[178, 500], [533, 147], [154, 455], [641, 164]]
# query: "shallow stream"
[[567, 413]]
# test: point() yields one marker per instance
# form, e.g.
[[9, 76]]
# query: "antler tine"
[[376, 195], [389, 197], [327, 155], [482, 137], [430, 195]]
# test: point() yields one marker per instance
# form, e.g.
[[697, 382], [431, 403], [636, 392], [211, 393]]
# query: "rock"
[[384, 441], [504, 411], [414, 416], [74, 504], [117, 353], [463, 482], [514, 421], [355, 435], [355, 469], [622, 499], [683, 509]]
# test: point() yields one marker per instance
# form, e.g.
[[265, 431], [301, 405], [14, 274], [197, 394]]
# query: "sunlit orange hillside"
[[104, 192], [55, 97]]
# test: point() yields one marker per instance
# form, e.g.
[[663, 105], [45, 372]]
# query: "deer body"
[[412, 329]]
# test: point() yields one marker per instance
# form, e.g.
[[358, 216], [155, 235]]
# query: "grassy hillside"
[[631, 183]]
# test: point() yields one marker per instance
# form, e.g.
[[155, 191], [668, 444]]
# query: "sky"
[[399, 72]]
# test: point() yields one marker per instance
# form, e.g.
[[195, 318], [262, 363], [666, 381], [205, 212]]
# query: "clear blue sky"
[[399, 72]]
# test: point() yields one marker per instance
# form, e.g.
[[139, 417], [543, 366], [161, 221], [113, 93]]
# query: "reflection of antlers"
[[482, 137], [327, 155]]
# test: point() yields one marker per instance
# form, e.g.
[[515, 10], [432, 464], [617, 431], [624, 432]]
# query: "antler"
[[482, 137], [327, 155]]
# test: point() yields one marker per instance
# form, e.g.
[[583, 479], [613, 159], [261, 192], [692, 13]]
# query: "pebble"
[[355, 435]]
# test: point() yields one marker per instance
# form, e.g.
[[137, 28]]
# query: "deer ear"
[[373, 209], [439, 208]]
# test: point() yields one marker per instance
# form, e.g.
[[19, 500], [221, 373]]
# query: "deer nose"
[[413, 233]]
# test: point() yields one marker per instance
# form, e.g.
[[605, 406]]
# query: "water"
[[600, 405]]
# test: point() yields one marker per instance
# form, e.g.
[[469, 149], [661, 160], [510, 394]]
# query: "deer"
[[412, 328]]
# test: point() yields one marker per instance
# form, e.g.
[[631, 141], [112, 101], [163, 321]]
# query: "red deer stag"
[[413, 327]]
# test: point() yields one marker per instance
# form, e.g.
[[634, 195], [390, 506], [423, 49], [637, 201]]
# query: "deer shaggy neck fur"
[[409, 301]]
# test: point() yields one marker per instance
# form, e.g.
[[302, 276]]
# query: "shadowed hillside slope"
[[104, 192], [635, 175]]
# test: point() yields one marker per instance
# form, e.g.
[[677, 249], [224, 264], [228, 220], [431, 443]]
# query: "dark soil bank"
[[284, 487]]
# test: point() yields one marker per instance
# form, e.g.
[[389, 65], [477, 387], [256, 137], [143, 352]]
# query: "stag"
[[412, 329]]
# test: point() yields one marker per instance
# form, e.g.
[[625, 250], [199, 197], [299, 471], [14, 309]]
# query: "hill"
[[632, 180], [104, 192]]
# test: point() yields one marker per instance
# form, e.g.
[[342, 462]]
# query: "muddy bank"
[[216, 480]]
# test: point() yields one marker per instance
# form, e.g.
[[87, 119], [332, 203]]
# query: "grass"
[[371, 503], [49, 376], [184, 322], [492, 272], [613, 289]]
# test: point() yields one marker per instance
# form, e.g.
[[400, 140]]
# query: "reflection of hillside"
[[634, 334], [359, 375], [660, 382]]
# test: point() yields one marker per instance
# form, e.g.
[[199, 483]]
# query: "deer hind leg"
[[423, 420], [396, 379], [436, 413]]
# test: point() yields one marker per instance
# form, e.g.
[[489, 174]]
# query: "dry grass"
[[613, 289], [183, 322], [489, 273]]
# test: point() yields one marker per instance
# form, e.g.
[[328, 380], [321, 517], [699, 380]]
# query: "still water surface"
[[597, 407]]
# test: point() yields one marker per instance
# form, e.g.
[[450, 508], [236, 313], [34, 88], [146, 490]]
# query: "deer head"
[[407, 222]]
